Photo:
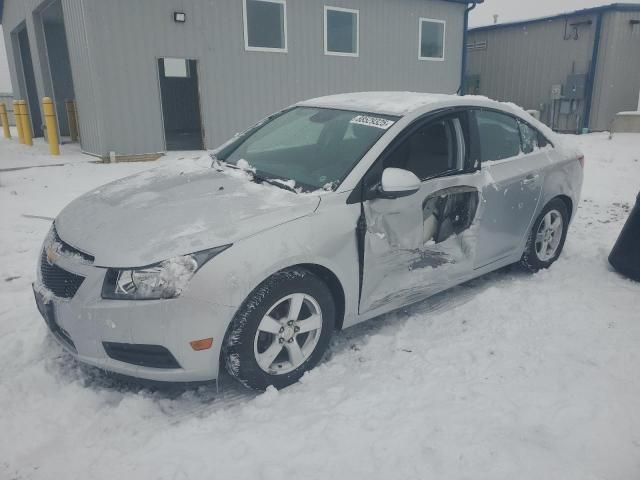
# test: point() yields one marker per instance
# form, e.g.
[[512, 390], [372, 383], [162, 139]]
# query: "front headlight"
[[163, 280]]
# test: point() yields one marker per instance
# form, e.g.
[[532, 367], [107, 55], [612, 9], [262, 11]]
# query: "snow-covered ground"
[[512, 376]]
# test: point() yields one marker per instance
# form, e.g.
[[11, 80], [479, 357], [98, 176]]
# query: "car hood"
[[163, 213]]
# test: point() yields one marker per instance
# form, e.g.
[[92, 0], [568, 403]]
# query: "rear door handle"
[[530, 179]]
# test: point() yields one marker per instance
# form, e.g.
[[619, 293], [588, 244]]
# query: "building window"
[[265, 25], [431, 37], [341, 31]]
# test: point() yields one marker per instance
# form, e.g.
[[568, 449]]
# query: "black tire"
[[530, 259], [238, 347]]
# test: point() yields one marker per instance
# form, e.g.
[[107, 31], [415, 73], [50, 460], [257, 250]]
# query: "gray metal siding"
[[15, 13], [522, 62], [79, 21], [239, 87], [618, 75], [114, 46], [18, 11]]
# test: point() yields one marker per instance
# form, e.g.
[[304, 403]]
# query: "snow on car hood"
[[163, 213]]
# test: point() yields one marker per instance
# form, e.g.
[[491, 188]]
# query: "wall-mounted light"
[[179, 17]]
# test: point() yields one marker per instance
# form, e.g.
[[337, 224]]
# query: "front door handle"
[[530, 179]]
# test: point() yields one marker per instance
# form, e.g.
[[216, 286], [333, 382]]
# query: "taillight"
[[581, 160]]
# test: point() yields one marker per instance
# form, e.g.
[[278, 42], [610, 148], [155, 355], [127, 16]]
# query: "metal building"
[[578, 69], [7, 99], [156, 75]]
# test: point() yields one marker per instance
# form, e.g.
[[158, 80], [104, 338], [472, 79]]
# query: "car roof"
[[402, 104], [399, 103]]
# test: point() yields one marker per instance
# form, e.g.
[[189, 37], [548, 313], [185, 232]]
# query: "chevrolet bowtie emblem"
[[52, 255]]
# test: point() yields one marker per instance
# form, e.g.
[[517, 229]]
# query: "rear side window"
[[499, 135]]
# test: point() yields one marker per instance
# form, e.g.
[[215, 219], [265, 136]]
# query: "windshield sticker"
[[376, 122]]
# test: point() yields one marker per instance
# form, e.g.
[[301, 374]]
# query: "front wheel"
[[547, 237], [281, 330]]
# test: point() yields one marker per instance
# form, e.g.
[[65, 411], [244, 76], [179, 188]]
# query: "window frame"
[[245, 22], [421, 20], [326, 31]]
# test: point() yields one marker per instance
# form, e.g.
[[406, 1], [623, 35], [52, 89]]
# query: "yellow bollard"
[[18, 116], [71, 118], [26, 123], [4, 118], [51, 122]]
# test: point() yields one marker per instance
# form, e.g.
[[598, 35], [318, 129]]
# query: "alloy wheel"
[[288, 334], [549, 235]]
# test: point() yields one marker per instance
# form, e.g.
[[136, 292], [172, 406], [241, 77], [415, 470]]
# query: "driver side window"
[[434, 149]]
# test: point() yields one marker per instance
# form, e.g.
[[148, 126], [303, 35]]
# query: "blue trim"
[[465, 34], [628, 7], [1, 10], [593, 70]]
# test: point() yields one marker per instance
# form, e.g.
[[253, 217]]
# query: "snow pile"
[[512, 376], [15, 155]]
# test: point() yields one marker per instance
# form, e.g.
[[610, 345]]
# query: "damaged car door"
[[514, 166], [415, 245]]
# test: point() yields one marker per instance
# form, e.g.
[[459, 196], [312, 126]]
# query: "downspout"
[[593, 69], [464, 49]]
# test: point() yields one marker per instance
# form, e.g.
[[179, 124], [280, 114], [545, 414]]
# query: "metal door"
[[511, 196]]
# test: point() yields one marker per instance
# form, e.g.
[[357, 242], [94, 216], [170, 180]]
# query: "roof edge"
[[586, 11], [466, 2]]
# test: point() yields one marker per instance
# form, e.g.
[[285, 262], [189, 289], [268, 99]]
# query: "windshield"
[[315, 147]]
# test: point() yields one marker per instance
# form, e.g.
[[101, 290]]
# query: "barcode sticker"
[[376, 122]]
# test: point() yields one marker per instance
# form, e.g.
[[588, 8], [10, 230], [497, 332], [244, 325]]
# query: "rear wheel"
[[547, 237], [281, 330]]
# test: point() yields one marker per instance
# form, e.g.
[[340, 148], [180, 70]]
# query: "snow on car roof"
[[404, 103], [394, 103]]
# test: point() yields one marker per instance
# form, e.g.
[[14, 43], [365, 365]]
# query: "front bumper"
[[85, 325]]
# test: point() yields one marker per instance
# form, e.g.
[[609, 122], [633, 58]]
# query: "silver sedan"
[[324, 215]]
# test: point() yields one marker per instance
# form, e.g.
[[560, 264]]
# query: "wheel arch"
[[567, 201], [327, 276], [335, 286]]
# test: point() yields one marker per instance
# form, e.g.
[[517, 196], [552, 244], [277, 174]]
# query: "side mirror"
[[397, 182]]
